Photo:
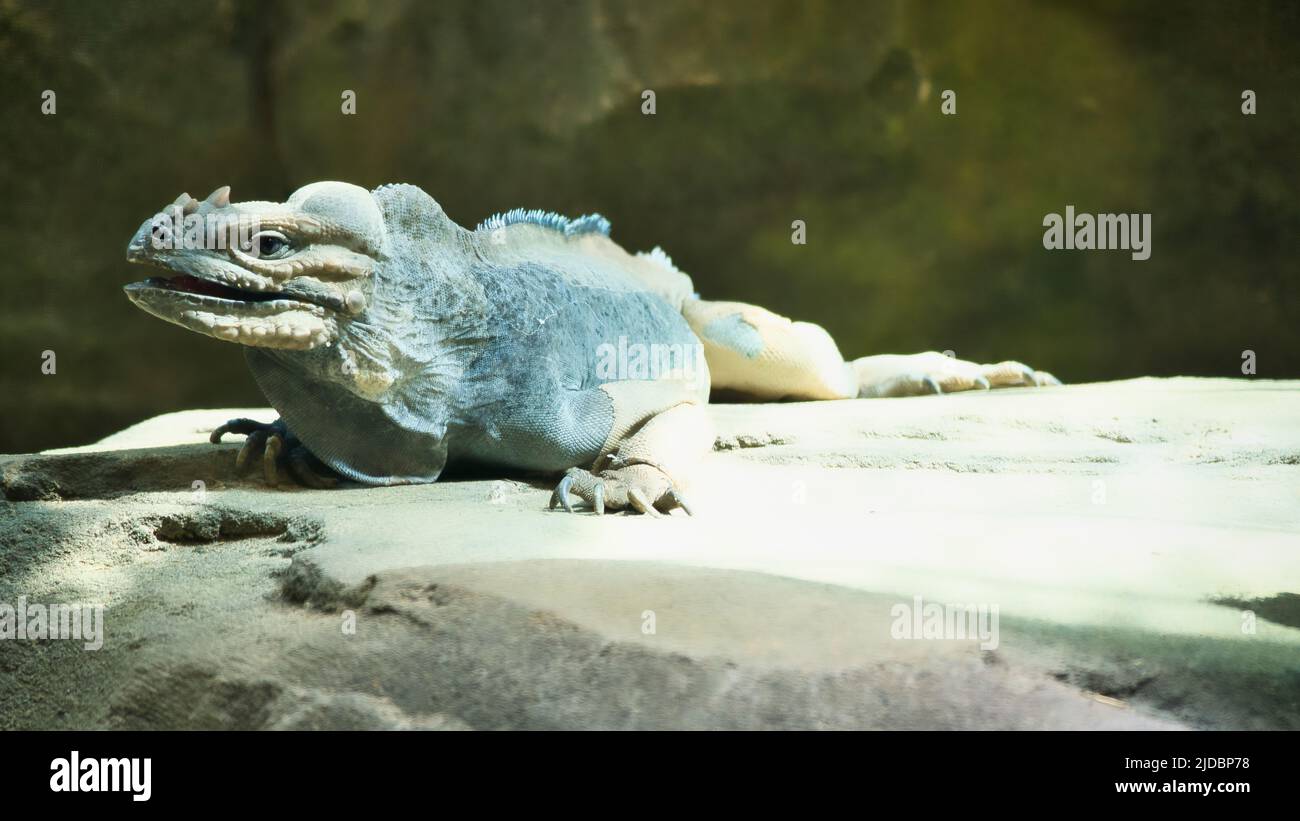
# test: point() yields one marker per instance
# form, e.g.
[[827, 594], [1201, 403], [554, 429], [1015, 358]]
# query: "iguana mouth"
[[265, 319], [187, 284], [258, 274]]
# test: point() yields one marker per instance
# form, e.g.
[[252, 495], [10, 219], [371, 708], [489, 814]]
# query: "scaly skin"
[[394, 342], [315, 277]]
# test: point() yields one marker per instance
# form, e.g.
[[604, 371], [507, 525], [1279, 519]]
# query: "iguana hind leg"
[[761, 355], [890, 375]]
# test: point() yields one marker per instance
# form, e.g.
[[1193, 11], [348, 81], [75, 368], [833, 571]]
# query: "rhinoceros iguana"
[[393, 343]]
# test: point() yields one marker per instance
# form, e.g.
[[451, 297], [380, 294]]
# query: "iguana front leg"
[[644, 488], [646, 469], [278, 450]]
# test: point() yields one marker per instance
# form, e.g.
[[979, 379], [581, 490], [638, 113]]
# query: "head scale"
[[285, 276]]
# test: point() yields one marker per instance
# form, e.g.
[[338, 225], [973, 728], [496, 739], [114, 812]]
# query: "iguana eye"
[[271, 245]]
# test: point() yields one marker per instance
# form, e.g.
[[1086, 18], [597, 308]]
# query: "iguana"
[[394, 343]]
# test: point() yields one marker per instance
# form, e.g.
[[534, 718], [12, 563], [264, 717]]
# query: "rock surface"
[[1138, 538]]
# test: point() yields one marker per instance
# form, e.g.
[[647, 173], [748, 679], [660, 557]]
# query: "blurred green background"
[[924, 231]]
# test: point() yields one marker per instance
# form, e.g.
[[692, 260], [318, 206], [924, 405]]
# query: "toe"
[[560, 495], [301, 465], [252, 448], [638, 500], [679, 500], [1009, 374], [271, 459], [240, 426]]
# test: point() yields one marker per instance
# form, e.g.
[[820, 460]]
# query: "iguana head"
[[287, 275]]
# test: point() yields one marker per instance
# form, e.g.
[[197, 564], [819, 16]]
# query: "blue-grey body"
[[493, 339], [393, 342]]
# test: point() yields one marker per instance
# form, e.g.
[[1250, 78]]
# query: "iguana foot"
[[644, 488], [934, 372], [278, 450]]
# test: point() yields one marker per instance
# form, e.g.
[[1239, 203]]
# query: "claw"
[[254, 443], [681, 502], [270, 458], [641, 503], [561, 495], [240, 426], [598, 498]]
